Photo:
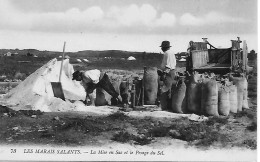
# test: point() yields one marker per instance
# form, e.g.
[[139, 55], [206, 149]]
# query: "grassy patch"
[[31, 112], [246, 113], [159, 132], [212, 137], [193, 132], [143, 140], [250, 143], [8, 111], [213, 120], [93, 125], [69, 137], [125, 137], [5, 89], [122, 137], [118, 116], [203, 133]]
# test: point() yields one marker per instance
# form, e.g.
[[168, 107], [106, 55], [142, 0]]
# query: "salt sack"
[[209, 98], [100, 99], [241, 85], [178, 97], [124, 91], [138, 92], [150, 85], [116, 84], [165, 101], [193, 94], [233, 99], [223, 100], [245, 95]]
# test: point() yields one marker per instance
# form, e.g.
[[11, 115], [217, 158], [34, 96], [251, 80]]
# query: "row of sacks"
[[125, 88], [208, 97], [198, 95]]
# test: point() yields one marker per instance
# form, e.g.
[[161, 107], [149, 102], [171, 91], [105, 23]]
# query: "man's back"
[[169, 60]]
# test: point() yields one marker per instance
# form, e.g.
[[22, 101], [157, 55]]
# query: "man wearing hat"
[[168, 66], [91, 79]]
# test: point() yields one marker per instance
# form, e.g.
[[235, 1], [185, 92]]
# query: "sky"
[[129, 25]]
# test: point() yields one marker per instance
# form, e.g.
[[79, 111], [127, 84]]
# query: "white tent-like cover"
[[36, 93], [131, 58], [86, 60]]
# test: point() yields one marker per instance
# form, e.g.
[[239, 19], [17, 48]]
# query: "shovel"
[[56, 86]]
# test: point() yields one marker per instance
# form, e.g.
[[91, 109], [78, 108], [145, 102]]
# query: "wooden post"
[[62, 61], [245, 56], [143, 85], [133, 96]]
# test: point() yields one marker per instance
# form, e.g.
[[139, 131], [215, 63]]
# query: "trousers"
[[168, 81], [166, 89]]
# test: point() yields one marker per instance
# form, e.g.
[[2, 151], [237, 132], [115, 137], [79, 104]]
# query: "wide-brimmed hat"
[[165, 44]]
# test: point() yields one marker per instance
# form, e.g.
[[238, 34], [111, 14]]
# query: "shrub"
[[159, 132], [122, 137], [193, 132], [219, 120], [251, 143], [246, 113], [68, 137], [252, 127], [118, 116], [212, 137], [142, 140]]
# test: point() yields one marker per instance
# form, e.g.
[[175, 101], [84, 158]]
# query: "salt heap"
[[36, 93]]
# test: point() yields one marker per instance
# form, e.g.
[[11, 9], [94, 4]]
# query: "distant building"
[[8, 54]]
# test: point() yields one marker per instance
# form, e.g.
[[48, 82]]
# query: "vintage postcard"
[[128, 80]]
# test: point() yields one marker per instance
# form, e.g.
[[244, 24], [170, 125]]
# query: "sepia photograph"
[[128, 80]]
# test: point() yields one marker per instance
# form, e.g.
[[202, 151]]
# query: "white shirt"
[[94, 75], [169, 60]]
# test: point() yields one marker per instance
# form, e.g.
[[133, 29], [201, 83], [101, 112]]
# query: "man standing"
[[91, 79], [168, 66]]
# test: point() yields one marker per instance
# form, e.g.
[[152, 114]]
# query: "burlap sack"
[[209, 98], [150, 85], [178, 96], [223, 101], [233, 99]]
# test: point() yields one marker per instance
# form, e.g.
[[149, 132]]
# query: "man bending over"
[[91, 79]]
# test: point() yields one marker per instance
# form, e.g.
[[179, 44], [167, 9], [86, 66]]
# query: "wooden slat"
[[244, 55], [199, 58]]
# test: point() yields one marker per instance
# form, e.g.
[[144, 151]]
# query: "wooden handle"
[[62, 61]]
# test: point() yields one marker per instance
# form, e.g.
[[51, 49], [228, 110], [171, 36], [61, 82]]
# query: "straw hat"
[[165, 44]]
